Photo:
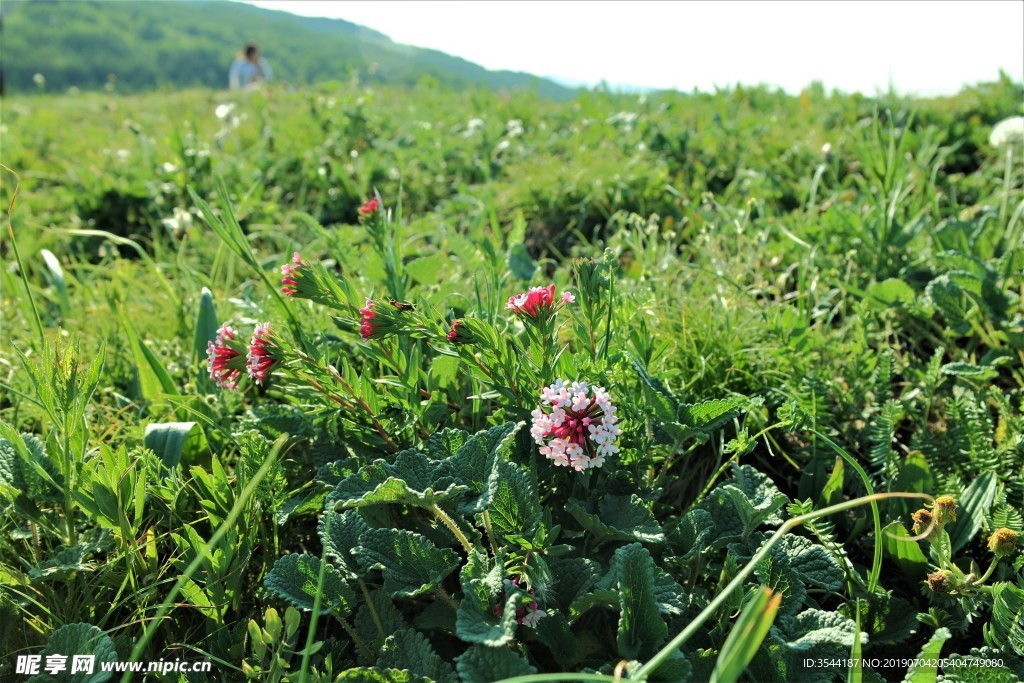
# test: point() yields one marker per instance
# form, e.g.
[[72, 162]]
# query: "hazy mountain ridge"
[[190, 43]]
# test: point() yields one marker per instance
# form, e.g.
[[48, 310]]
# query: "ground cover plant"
[[365, 384]]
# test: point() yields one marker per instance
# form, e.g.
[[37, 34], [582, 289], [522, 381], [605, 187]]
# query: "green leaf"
[[177, 442], [480, 664], [374, 675], [520, 262], [776, 572], [294, 579], [1007, 626], [205, 331], [976, 667], [425, 270], [513, 503], [446, 443], [411, 563], [58, 280], [377, 618], [154, 380], [815, 631], [755, 498], [619, 518], [79, 639], [411, 479], [746, 636], [710, 415], [641, 629], [690, 538], [812, 564], [974, 504], [892, 292], [408, 649], [476, 461], [482, 589], [924, 669], [897, 543], [340, 534], [26, 467]]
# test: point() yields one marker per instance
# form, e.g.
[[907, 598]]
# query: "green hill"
[[189, 43]]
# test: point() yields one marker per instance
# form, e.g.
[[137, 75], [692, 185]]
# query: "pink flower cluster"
[[289, 273], [369, 208], [580, 429], [537, 301], [366, 316], [227, 356], [219, 357]]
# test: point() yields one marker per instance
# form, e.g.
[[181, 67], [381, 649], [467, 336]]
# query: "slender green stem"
[[988, 573], [367, 652], [450, 523], [645, 670], [229, 522], [373, 609], [445, 598]]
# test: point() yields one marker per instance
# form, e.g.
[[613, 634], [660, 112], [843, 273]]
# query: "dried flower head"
[[922, 521], [944, 510], [941, 581], [1003, 542], [580, 429]]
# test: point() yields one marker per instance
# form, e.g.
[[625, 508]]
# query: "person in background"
[[249, 68]]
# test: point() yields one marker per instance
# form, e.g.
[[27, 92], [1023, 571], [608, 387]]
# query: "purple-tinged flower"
[[579, 429], [261, 357], [224, 359]]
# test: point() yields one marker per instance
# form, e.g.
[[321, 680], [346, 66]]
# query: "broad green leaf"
[[340, 534], [411, 563], [745, 636], [154, 380], [513, 503], [476, 460], [481, 664], [377, 618], [710, 415], [408, 649], [812, 564], [973, 667], [58, 280], [294, 578], [177, 443], [690, 538], [970, 371], [411, 479], [641, 629], [205, 331], [79, 639], [776, 572], [755, 497], [446, 443], [897, 543], [26, 467], [924, 669], [483, 590], [619, 518], [576, 576], [974, 504], [892, 292], [520, 263], [815, 631]]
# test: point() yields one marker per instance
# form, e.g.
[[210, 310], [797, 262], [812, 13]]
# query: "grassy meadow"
[[791, 342]]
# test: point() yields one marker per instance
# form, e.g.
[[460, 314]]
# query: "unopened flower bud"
[[940, 581], [944, 510]]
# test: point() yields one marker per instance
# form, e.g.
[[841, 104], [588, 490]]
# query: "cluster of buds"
[[528, 614], [580, 429], [227, 357], [369, 208], [382, 319], [293, 275], [931, 521], [539, 303]]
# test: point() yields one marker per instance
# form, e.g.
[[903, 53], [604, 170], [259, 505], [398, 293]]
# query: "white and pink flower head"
[[575, 425], [538, 302], [291, 275]]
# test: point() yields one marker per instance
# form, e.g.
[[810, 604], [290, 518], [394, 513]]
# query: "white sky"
[[922, 48]]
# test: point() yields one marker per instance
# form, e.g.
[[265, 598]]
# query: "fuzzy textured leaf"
[[408, 649], [619, 518], [294, 578], [411, 563]]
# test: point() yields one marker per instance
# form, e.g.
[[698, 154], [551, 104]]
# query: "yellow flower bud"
[[1003, 542]]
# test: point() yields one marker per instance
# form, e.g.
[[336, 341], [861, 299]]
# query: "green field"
[[799, 443]]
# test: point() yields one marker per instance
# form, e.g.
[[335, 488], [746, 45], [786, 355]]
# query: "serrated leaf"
[[476, 460], [815, 630], [576, 576], [976, 667], [408, 649], [480, 664], [483, 590], [339, 534], [512, 500], [294, 579], [177, 442], [374, 675], [25, 466], [619, 518], [411, 563], [925, 669], [79, 639], [411, 479], [892, 292], [812, 564], [641, 628], [709, 415], [377, 618], [446, 443], [690, 537], [755, 497], [969, 370], [776, 572]]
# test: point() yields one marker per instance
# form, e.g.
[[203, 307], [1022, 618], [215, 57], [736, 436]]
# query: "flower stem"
[[450, 523]]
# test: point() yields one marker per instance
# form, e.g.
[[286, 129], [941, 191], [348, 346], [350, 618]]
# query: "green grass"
[[853, 316]]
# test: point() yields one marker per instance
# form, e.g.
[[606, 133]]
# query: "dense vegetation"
[[805, 311], [138, 45]]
